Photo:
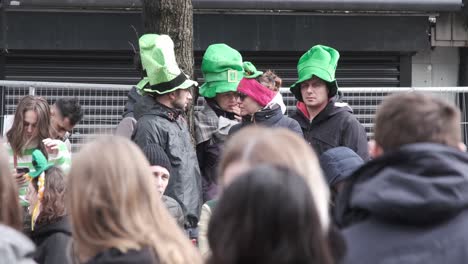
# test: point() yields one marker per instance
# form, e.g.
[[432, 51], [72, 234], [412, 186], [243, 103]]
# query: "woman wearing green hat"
[[326, 122], [222, 70], [50, 229]]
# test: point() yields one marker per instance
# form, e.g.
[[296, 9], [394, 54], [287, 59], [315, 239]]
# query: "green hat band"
[[229, 76]]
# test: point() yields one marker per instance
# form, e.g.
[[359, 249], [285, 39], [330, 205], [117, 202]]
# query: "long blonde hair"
[[113, 203], [279, 146]]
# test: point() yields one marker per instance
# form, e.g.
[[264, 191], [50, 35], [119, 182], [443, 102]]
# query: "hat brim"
[[36, 173], [332, 85], [255, 75], [142, 83], [210, 89], [185, 85]]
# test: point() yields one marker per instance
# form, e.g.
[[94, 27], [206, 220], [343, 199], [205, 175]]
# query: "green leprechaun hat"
[[320, 61], [40, 164], [250, 71], [159, 63], [222, 70]]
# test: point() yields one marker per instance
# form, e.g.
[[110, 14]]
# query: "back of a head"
[[10, 211], [53, 200], [113, 204], [267, 216], [70, 108], [281, 147], [408, 118]]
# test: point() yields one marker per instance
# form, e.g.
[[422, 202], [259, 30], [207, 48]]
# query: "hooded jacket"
[[52, 242], [114, 256], [333, 127], [269, 117], [408, 206], [15, 247], [158, 124]]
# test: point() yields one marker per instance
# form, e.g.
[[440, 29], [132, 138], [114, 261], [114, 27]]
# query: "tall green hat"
[[40, 163], [159, 62], [320, 61], [222, 70], [250, 71]]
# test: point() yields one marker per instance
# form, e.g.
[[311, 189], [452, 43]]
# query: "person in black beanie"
[[161, 168]]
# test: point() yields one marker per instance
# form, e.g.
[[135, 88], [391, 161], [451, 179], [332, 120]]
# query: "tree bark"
[[174, 18]]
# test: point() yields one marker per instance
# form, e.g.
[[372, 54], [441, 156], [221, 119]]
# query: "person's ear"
[[374, 149]]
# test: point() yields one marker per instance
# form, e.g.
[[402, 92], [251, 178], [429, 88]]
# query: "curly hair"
[[270, 80], [52, 203]]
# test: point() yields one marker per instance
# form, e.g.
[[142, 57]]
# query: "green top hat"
[[159, 62], [250, 71], [320, 61], [222, 70], [40, 163]]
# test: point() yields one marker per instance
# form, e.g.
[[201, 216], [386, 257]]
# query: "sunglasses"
[[242, 96]]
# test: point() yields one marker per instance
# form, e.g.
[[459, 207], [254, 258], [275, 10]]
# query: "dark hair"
[[415, 117], [267, 216], [10, 210], [15, 135], [70, 108], [52, 203]]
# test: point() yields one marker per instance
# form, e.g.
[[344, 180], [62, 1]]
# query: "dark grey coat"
[[409, 206], [158, 124], [333, 127]]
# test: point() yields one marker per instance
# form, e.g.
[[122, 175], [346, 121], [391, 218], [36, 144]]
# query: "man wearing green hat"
[[325, 121], [222, 70], [159, 115]]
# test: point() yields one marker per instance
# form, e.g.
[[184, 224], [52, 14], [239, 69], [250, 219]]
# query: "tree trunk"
[[174, 18]]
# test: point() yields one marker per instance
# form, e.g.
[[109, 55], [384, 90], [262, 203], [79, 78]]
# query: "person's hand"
[[19, 178], [51, 145], [236, 110]]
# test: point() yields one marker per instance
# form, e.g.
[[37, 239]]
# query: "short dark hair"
[[408, 118], [70, 108], [267, 215]]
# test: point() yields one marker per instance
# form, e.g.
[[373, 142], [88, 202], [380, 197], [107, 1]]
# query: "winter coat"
[[408, 206], [174, 209], [114, 256], [334, 126], [52, 242], [158, 124], [269, 117], [212, 126], [15, 247]]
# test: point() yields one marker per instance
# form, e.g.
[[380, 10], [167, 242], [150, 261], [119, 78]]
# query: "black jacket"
[[269, 118], [52, 242], [114, 256], [408, 206], [158, 124], [333, 127], [133, 98]]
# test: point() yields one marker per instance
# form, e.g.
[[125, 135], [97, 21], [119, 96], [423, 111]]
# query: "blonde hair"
[[10, 210], [113, 203], [279, 146]]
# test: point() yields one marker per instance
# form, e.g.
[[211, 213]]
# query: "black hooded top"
[[408, 206], [52, 242]]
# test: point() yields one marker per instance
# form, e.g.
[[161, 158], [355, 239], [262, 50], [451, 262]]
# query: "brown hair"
[[113, 204], [15, 135], [10, 210], [407, 118], [279, 146], [52, 203], [270, 80]]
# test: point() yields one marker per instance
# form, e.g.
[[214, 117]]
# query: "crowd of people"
[[251, 185]]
